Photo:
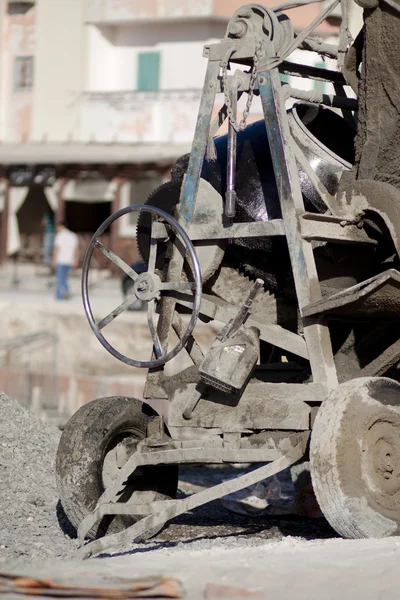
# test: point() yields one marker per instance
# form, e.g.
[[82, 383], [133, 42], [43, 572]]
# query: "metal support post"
[[305, 274], [185, 212]]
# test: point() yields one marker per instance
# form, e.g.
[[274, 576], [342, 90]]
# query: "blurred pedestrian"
[[48, 237], [65, 256]]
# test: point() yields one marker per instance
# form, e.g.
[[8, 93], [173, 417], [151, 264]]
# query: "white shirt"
[[66, 243]]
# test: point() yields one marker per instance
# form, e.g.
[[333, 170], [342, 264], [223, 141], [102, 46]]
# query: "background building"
[[97, 100]]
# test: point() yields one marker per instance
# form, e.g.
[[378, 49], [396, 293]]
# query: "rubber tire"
[[81, 452], [340, 458]]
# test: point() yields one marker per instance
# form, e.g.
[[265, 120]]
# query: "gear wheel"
[[242, 257], [166, 197], [209, 209], [236, 260], [229, 273]]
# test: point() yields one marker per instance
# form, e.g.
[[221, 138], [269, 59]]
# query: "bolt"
[[143, 286], [238, 29]]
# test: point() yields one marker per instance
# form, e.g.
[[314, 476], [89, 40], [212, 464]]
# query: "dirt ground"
[[285, 569], [213, 552]]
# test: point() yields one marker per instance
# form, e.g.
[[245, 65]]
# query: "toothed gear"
[[209, 208], [236, 258]]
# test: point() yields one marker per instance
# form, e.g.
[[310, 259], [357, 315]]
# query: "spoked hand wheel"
[[148, 286]]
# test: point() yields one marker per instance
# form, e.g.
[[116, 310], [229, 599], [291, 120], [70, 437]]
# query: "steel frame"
[[225, 442]]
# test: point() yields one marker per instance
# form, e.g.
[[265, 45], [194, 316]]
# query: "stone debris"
[[216, 590], [30, 517], [119, 589], [34, 526]]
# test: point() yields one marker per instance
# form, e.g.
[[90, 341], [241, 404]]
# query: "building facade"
[[98, 98]]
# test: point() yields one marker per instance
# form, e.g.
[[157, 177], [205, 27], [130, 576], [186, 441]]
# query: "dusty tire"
[[355, 458], [87, 441]]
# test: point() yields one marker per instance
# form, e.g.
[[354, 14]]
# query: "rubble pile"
[[29, 512]]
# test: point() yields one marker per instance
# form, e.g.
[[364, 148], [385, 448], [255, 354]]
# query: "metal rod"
[[193, 401], [244, 310], [230, 195], [316, 97], [308, 71]]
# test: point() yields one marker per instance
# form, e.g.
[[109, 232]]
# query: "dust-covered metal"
[[147, 287], [145, 526], [278, 203]]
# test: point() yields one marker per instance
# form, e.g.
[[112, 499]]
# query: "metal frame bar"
[[185, 209], [146, 526], [353, 293], [305, 274], [314, 226], [322, 227], [274, 334]]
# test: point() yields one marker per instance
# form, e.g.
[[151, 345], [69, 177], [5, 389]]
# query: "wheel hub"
[[146, 287], [382, 462], [116, 456]]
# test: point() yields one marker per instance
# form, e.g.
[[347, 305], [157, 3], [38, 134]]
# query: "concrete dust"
[[276, 557], [292, 568], [377, 147], [33, 525], [29, 518]]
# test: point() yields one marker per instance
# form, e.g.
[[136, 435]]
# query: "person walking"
[[48, 238], [65, 256]]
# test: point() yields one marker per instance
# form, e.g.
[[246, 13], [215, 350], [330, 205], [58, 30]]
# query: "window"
[[320, 86], [15, 7], [23, 73], [148, 79], [285, 78]]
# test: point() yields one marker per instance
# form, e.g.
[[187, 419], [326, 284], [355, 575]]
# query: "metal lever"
[[244, 311], [193, 401], [230, 328]]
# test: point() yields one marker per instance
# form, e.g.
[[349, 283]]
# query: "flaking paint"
[[122, 10]]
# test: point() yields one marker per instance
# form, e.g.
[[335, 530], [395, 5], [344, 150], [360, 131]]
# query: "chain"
[[253, 76]]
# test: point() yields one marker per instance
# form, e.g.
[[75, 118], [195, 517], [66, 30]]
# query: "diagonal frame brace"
[[143, 529], [302, 260]]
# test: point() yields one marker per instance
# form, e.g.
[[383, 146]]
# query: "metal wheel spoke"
[[177, 286], [153, 249], [116, 260], [117, 311], [156, 341], [148, 288]]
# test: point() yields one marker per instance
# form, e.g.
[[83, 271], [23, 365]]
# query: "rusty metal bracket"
[[391, 277], [322, 227]]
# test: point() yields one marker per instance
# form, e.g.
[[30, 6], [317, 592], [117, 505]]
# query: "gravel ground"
[[211, 551], [33, 525], [29, 517]]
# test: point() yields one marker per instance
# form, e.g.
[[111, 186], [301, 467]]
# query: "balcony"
[[139, 117], [119, 12], [128, 12], [23, 3]]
